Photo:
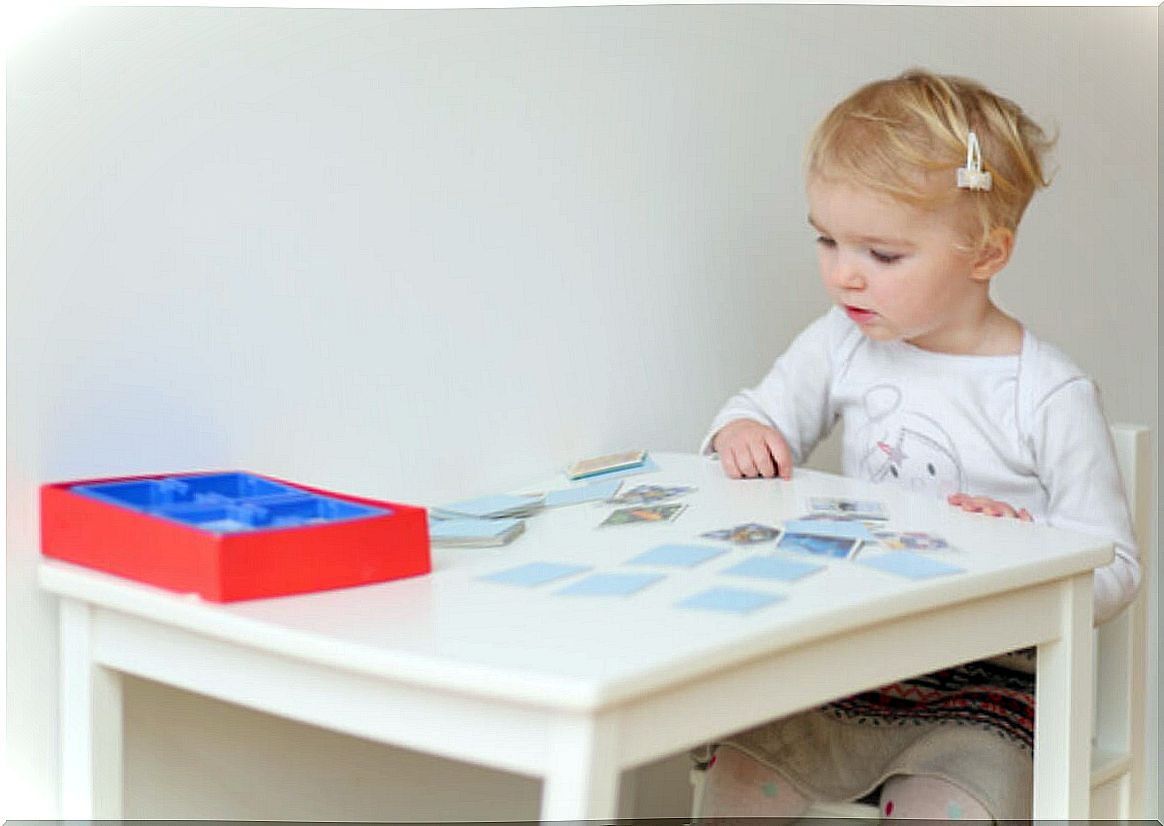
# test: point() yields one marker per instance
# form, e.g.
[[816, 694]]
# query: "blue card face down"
[[773, 567], [680, 556], [610, 585], [910, 565], [730, 600], [593, 492], [534, 573]]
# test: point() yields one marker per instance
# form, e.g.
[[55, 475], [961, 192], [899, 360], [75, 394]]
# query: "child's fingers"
[[727, 458], [762, 459], [1025, 515], [775, 443]]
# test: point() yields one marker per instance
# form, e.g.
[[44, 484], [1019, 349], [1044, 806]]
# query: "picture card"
[[649, 494], [841, 528], [773, 567], [606, 464], [679, 556], [910, 565], [852, 508], [597, 491], [730, 600], [833, 547], [910, 540], [650, 513], [609, 585], [535, 573], [748, 533]]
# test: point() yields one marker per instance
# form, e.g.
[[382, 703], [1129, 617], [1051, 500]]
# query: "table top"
[[453, 631]]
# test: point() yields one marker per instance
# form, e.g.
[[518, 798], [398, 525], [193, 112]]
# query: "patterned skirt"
[[972, 725]]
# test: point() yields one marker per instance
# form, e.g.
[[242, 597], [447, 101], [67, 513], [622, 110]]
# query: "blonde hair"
[[900, 136]]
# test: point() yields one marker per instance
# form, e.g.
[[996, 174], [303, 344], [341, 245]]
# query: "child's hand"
[[748, 449], [990, 507]]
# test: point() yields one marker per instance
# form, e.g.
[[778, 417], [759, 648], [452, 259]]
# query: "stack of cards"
[[473, 533], [606, 464], [491, 507]]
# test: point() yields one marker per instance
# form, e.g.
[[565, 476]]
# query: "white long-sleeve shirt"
[[1025, 429]]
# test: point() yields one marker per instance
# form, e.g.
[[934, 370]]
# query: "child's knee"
[[930, 798], [738, 786]]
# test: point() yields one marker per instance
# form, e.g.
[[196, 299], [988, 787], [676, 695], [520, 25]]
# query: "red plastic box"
[[231, 566]]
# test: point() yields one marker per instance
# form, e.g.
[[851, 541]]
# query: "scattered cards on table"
[[606, 464], [747, 534], [653, 513], [850, 508], [648, 494]]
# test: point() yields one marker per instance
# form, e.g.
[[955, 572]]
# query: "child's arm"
[[1077, 466], [792, 403]]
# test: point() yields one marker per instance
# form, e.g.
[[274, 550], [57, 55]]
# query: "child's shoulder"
[[1044, 365], [1045, 369]]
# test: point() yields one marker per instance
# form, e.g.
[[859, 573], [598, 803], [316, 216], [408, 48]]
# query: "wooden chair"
[[1117, 741]]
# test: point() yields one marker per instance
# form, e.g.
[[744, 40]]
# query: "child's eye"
[[825, 241], [884, 257]]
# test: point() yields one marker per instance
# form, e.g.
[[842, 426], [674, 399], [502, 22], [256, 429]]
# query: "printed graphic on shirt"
[[906, 446]]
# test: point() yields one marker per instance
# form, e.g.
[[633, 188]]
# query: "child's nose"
[[847, 274]]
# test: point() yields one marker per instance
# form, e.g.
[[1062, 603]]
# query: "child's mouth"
[[859, 315]]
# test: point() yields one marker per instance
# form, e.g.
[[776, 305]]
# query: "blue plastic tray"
[[227, 502]]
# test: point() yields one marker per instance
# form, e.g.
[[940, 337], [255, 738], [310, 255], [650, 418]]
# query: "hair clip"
[[972, 176]]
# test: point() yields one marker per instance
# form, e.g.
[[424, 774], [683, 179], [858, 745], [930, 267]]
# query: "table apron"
[[511, 737], [525, 739], [788, 681]]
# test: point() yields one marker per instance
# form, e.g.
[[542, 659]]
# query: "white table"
[[575, 690]]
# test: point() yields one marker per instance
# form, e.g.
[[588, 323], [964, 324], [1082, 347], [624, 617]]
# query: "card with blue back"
[[680, 556], [909, 565], [730, 600], [610, 585], [773, 567], [535, 573]]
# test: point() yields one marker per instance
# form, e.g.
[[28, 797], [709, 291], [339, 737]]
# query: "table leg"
[[1063, 710], [90, 722], [582, 774]]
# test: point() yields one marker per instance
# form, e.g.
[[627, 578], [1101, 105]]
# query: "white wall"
[[420, 255]]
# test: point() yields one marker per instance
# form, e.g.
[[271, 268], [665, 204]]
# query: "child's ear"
[[994, 255]]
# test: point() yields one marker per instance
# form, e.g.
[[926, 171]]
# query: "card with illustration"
[[648, 494], [853, 508], [773, 567], [748, 533], [910, 541], [679, 556], [730, 600], [833, 547], [910, 565], [609, 585], [653, 513], [841, 528]]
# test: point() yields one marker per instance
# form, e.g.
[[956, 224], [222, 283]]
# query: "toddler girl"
[[916, 186]]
